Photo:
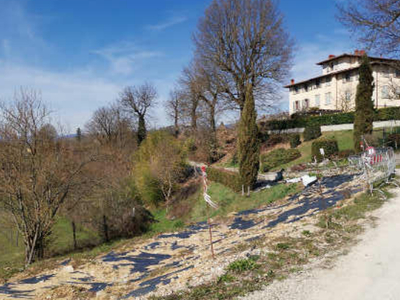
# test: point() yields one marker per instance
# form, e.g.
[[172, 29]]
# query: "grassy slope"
[[229, 201], [12, 257]]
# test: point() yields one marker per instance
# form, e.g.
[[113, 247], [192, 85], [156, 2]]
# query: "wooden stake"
[[210, 231]]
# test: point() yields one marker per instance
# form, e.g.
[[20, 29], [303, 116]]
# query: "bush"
[[159, 166], [329, 145], [276, 139], [312, 132], [226, 178], [278, 157], [346, 153], [294, 140]]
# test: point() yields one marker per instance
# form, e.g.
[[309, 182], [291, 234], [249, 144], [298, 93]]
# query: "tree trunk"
[[141, 129], [176, 125], [105, 229], [74, 235]]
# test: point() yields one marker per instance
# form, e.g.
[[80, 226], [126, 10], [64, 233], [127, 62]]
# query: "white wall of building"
[[339, 92]]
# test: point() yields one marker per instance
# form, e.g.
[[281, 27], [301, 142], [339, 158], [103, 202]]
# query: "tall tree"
[[249, 146], [245, 40], [364, 115], [138, 101]]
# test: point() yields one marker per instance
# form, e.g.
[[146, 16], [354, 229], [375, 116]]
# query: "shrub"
[[312, 132], [393, 140], [329, 145], [276, 139], [294, 140], [278, 157], [226, 178], [159, 166], [346, 153]]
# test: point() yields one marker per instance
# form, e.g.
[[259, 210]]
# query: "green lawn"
[[60, 242]]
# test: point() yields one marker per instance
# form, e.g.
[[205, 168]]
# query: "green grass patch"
[[243, 265], [163, 224]]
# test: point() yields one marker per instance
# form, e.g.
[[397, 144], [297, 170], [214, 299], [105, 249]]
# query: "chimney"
[[331, 56], [291, 81], [356, 52], [361, 52]]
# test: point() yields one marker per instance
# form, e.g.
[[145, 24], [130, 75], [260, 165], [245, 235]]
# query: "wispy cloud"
[[168, 23], [124, 56]]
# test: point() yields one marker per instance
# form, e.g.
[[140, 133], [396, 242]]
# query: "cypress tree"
[[364, 114], [78, 134], [249, 144]]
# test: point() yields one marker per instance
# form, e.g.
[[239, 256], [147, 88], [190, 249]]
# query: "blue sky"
[[81, 53]]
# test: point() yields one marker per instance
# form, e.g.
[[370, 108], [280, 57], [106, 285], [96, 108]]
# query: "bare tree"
[[247, 42], [174, 108], [38, 173], [346, 101], [138, 101], [374, 22], [110, 126], [191, 95]]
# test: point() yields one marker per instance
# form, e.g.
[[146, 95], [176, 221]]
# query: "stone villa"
[[336, 88]]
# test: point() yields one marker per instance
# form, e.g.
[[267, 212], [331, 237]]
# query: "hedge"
[[312, 132], [226, 178], [329, 145], [383, 114], [278, 157]]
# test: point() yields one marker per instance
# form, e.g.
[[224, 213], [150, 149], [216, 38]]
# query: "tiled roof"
[[329, 74]]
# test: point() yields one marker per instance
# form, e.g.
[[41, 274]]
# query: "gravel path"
[[371, 270]]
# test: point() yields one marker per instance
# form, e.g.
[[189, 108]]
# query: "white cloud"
[[73, 96], [168, 23], [123, 57]]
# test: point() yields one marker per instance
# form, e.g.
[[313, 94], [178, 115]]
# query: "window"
[[385, 92], [306, 104], [347, 77], [317, 83], [397, 73], [296, 89], [347, 96], [385, 72], [327, 98], [328, 81], [306, 87], [297, 106], [317, 100]]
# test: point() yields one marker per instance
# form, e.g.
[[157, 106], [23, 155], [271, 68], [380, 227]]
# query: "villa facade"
[[336, 88]]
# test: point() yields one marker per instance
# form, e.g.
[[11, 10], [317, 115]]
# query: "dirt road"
[[370, 271]]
